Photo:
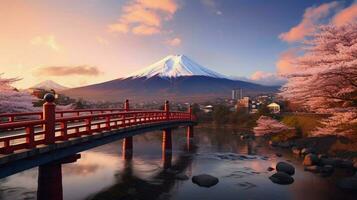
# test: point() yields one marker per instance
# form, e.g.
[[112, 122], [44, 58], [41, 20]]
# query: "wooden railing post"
[[30, 139], [49, 115], [167, 110], [128, 141]]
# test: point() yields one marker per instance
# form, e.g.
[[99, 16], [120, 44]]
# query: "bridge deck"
[[24, 159]]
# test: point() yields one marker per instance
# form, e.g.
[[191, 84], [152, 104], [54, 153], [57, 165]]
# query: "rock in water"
[[279, 154], [313, 168], [181, 177], [205, 180], [270, 169], [348, 184], [296, 150], [281, 178], [285, 167], [310, 159], [327, 170]]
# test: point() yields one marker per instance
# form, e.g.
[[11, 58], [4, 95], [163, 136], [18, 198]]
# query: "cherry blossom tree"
[[12, 100], [324, 79], [267, 125]]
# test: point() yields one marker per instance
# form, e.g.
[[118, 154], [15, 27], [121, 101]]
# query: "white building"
[[274, 107]]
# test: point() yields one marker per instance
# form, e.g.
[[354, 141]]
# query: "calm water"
[[102, 173]]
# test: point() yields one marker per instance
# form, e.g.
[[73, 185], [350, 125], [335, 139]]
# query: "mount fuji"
[[175, 77]]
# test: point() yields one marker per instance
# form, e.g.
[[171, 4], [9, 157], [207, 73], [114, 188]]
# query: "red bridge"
[[49, 135]]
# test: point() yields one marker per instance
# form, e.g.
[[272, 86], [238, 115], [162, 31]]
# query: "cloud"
[[346, 15], [267, 78], [285, 63], [145, 30], [48, 41], [81, 70], [212, 4], [311, 18], [174, 42], [102, 41], [144, 17]]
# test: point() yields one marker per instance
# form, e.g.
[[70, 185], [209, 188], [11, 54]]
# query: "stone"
[[182, 177], [284, 144], [270, 169], [348, 184], [329, 161], [313, 168], [205, 180], [306, 151], [272, 143], [345, 164], [355, 164], [296, 150], [279, 154], [281, 178], [321, 156], [327, 170], [310, 159], [285, 167]]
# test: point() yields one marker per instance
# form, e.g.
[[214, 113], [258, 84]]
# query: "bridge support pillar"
[[128, 148], [166, 148], [50, 182], [50, 179], [166, 140], [189, 132]]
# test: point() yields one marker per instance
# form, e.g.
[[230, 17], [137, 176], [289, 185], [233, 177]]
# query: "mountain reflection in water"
[[104, 173]]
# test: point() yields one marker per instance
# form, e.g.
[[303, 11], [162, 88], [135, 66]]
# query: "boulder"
[[327, 170], [285, 167], [306, 151], [321, 156], [329, 161], [281, 178], [348, 184], [279, 154], [284, 144], [345, 164], [272, 143], [182, 177], [270, 169], [313, 168], [205, 180], [296, 150], [355, 164], [310, 159]]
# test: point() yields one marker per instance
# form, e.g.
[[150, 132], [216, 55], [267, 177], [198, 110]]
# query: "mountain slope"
[[175, 78], [48, 85], [175, 66]]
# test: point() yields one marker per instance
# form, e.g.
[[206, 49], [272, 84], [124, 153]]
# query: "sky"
[[81, 42]]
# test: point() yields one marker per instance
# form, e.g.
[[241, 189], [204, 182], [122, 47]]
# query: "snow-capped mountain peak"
[[48, 85], [175, 66]]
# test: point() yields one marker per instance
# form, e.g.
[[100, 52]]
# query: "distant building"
[[243, 103], [237, 94], [207, 109], [274, 107]]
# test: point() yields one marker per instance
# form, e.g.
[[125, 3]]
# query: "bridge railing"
[[27, 134], [14, 117]]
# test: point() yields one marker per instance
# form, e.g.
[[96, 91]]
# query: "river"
[[240, 165]]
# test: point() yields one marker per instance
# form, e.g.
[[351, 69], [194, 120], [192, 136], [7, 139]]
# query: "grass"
[[303, 123]]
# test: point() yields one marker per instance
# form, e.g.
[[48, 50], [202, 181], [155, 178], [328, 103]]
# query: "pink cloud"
[[285, 63], [267, 78], [346, 15], [311, 19], [144, 17], [81, 70], [174, 42], [145, 30]]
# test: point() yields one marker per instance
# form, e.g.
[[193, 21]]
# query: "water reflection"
[[151, 173]]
